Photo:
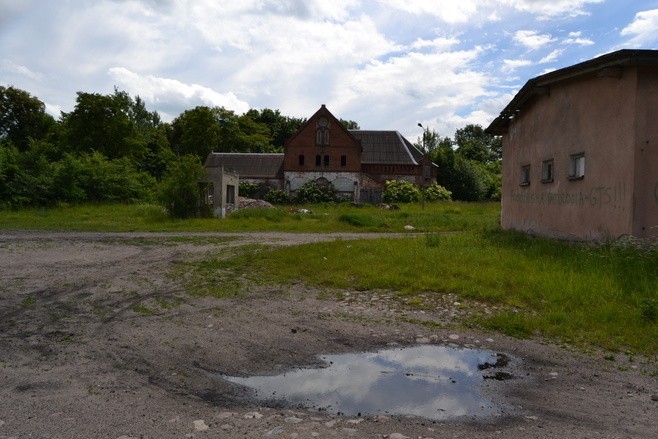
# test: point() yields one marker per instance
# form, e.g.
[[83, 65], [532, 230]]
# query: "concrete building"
[[580, 150], [357, 163]]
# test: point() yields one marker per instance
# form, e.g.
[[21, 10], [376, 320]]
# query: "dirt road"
[[99, 339]]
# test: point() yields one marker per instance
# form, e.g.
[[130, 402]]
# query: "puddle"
[[434, 382]]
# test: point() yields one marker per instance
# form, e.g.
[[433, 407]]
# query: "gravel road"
[[99, 339]]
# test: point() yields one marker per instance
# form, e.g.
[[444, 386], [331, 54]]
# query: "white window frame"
[[577, 166]]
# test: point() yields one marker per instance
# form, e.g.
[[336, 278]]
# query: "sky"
[[386, 64]]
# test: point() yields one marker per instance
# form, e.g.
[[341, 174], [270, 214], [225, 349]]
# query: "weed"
[[362, 220], [143, 309], [649, 310], [29, 301]]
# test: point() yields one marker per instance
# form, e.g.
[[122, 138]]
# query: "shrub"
[[313, 193], [436, 192], [276, 196], [401, 191], [179, 190], [248, 189]]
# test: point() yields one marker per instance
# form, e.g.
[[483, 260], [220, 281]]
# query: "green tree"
[[179, 190], [22, 117], [102, 123], [280, 127], [350, 124], [474, 144], [430, 141]]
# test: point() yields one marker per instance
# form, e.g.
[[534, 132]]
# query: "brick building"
[[357, 163]]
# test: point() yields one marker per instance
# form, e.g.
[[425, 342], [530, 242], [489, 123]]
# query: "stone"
[[653, 398], [397, 436], [274, 432], [293, 420], [225, 415], [453, 337], [253, 415], [200, 425]]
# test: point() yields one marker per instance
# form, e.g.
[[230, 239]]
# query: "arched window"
[[322, 131]]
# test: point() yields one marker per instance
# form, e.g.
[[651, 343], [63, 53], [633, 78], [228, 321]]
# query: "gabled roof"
[[248, 165], [387, 147], [322, 111], [605, 65]]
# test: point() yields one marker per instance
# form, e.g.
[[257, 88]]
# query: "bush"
[[313, 193], [401, 191], [179, 190], [276, 196], [436, 192], [248, 189]]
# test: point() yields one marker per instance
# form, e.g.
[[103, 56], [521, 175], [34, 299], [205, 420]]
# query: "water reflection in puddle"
[[434, 382]]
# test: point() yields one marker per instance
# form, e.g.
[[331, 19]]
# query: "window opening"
[[547, 171], [230, 194], [525, 175], [577, 166]]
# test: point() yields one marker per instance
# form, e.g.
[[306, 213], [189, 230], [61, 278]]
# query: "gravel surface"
[[99, 339]]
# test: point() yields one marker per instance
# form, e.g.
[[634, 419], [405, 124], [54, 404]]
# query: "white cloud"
[[509, 65], [577, 39], [644, 28], [552, 8], [174, 95], [11, 67], [532, 40], [551, 57], [436, 44], [452, 12]]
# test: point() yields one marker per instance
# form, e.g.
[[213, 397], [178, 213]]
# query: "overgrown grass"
[[603, 295], [323, 219]]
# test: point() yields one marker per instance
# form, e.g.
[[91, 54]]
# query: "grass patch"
[[219, 276], [433, 217], [143, 310], [603, 295], [28, 302]]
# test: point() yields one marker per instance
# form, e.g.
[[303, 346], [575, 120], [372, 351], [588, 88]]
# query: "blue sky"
[[387, 64]]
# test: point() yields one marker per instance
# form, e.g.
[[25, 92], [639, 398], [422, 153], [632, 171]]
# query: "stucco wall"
[[591, 115], [645, 212], [343, 182]]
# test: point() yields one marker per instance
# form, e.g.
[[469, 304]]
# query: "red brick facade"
[[322, 145]]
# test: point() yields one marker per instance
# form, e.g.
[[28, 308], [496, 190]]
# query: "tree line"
[[111, 148]]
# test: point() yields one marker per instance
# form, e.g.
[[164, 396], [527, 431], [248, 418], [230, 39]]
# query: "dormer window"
[[322, 131]]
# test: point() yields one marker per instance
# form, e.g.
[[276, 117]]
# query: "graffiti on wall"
[[599, 196]]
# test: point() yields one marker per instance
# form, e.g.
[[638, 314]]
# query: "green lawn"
[[601, 295], [323, 219], [605, 295]]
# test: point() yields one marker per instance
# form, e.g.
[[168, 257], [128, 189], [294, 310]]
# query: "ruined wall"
[[593, 115]]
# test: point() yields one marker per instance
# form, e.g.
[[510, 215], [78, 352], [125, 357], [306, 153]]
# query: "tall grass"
[[605, 295], [322, 219]]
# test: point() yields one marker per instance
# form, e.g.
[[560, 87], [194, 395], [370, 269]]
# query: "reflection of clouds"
[[397, 381]]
